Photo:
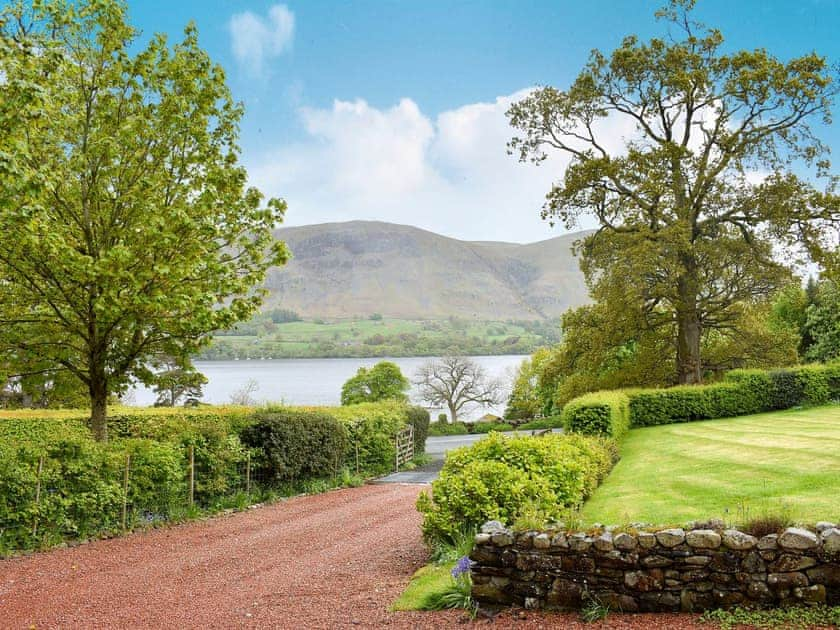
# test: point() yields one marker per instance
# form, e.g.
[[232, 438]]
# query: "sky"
[[394, 110]]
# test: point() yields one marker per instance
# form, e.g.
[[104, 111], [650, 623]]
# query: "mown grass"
[[736, 469]]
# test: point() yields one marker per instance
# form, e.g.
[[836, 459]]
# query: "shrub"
[[295, 444], [551, 422], [447, 428], [742, 392], [650, 407], [504, 478], [598, 413], [418, 417], [486, 427], [371, 427]]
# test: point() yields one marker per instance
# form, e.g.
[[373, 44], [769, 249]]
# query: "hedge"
[[742, 392], [295, 445], [598, 413], [503, 478], [81, 481]]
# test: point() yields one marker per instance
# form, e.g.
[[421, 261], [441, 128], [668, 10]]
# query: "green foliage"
[[686, 243], [456, 594], [486, 427], [297, 444], [371, 428], [822, 324], [594, 609], [135, 234], [793, 618], [364, 338], [384, 381], [525, 400], [418, 417], [500, 478], [599, 413], [448, 428], [742, 392], [82, 480], [551, 422]]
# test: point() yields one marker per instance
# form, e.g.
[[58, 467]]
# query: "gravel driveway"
[[335, 560]]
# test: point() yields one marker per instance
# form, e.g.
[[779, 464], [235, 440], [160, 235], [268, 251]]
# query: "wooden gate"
[[404, 441]]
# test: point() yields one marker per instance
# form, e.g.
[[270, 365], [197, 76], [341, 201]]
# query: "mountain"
[[355, 269]]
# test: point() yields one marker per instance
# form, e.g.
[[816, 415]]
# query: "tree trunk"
[[453, 413], [98, 389], [689, 332]]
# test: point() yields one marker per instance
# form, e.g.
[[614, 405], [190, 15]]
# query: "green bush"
[[598, 413], [418, 417], [650, 407], [486, 427], [448, 428], [503, 478], [294, 445], [71, 487], [551, 422], [372, 427], [742, 392]]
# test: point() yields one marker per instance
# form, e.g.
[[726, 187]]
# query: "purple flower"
[[462, 566]]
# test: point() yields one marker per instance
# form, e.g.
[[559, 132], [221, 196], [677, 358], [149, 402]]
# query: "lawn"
[[736, 469]]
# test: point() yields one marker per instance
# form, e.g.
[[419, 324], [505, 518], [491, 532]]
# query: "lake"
[[314, 381]]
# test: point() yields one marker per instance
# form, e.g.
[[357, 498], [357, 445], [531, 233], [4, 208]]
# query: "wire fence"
[[46, 500]]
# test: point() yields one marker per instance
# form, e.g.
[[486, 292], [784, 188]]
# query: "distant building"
[[489, 417]]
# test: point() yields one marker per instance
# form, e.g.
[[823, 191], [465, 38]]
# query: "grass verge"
[[738, 469]]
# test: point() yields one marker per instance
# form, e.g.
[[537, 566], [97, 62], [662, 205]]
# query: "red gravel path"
[[328, 561]]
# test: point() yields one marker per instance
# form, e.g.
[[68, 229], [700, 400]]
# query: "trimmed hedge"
[[503, 478], [742, 392], [418, 417], [294, 445], [81, 481], [549, 422], [598, 413], [486, 427], [448, 428]]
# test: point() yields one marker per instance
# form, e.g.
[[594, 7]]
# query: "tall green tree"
[[692, 203], [129, 231], [384, 381]]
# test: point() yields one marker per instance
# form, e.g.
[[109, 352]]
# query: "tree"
[[822, 325], [130, 233], [524, 400], [177, 380], [683, 206], [457, 382], [383, 381]]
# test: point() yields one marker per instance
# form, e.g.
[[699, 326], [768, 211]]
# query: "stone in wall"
[[697, 568]]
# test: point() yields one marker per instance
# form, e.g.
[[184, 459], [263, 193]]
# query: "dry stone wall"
[[670, 570]]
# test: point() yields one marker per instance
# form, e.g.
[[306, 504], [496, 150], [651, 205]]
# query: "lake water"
[[314, 381]]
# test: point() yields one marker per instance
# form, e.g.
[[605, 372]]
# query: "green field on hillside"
[[735, 469], [264, 338]]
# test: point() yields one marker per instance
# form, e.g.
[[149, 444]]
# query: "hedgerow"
[[742, 392]]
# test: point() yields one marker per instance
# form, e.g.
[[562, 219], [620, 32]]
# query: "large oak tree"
[[700, 201], [128, 230]]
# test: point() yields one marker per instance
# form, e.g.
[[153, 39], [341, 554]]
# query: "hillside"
[[355, 269]]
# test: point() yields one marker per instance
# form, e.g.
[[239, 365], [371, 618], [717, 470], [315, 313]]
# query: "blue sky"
[[394, 110]]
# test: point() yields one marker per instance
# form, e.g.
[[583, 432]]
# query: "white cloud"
[[256, 40], [451, 175]]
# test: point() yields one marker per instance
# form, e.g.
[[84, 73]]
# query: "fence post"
[[38, 494], [125, 490], [192, 475], [397, 452], [248, 474]]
